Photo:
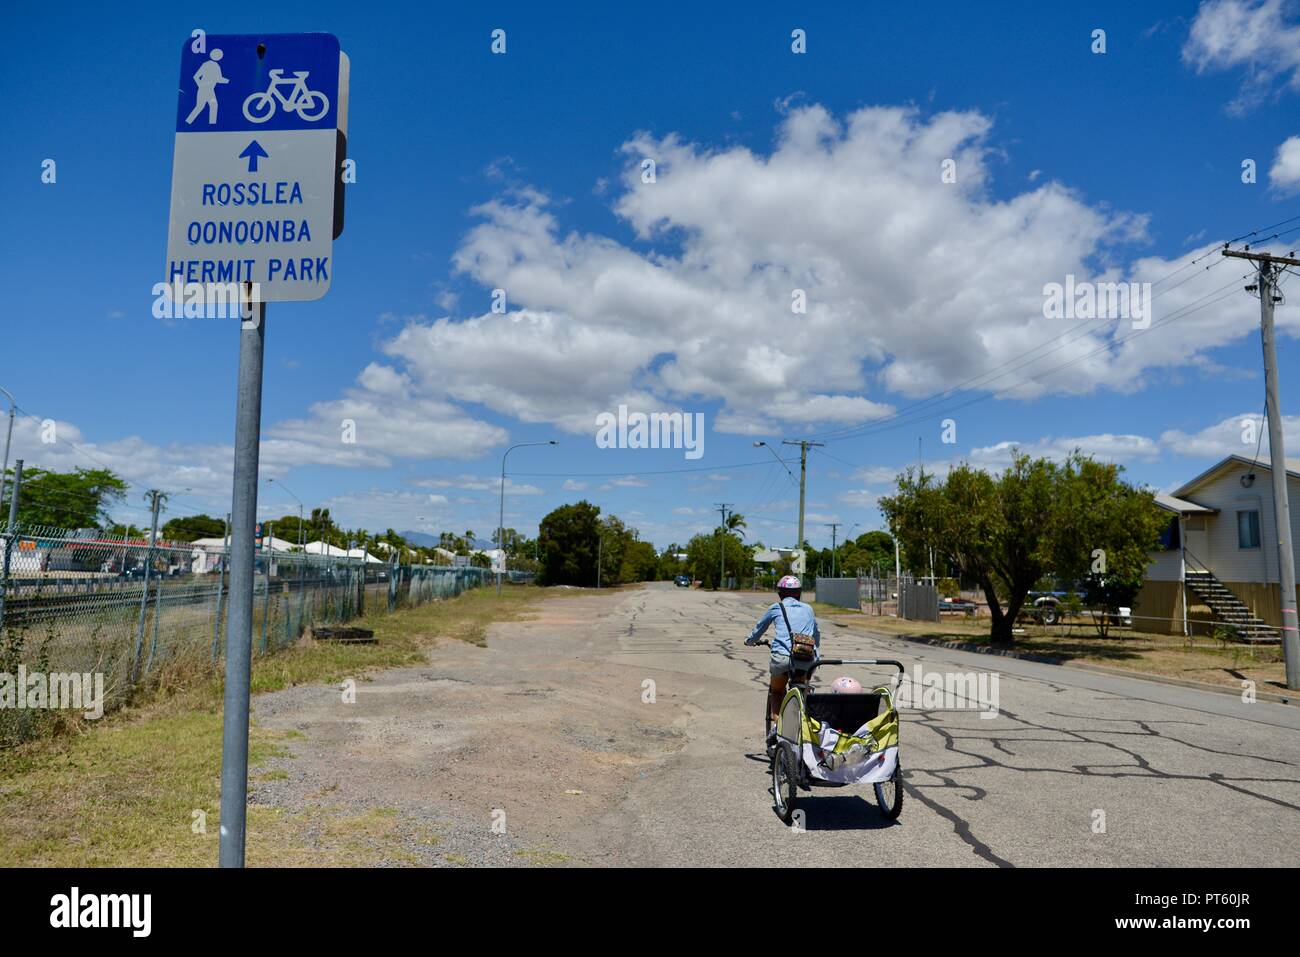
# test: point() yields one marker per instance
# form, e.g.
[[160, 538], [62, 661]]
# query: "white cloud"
[[627, 481], [572, 486], [1285, 172], [704, 314], [391, 421], [377, 509], [1253, 36], [475, 483], [1236, 435], [1105, 447]]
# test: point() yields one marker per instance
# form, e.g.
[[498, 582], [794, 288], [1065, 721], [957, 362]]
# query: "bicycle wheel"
[[307, 110], [785, 780], [259, 107], [889, 795]]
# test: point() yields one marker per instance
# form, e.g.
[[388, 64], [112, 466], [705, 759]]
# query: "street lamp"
[[501, 517], [302, 545], [4, 470], [760, 444]]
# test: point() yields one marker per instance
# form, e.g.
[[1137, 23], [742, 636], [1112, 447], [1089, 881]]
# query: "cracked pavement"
[[1182, 777]]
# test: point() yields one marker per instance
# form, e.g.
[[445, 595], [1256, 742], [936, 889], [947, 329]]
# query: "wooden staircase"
[[1230, 609]]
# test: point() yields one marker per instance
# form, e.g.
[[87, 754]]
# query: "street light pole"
[[501, 516], [4, 470]]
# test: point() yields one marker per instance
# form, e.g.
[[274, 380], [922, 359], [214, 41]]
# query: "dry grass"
[[1173, 656], [140, 787]]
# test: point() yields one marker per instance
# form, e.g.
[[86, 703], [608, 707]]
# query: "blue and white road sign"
[[253, 173]]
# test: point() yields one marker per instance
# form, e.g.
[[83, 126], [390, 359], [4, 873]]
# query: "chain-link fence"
[[79, 602]]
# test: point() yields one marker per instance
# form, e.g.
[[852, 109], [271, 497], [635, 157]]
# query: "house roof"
[[1292, 468], [320, 548], [1182, 506]]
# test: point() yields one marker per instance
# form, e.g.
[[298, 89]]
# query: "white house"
[[1220, 550], [768, 555], [205, 554]]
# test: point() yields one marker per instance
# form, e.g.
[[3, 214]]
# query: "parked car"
[[1046, 607], [959, 605], [682, 581]]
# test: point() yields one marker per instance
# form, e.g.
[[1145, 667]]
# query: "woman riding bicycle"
[[788, 614]]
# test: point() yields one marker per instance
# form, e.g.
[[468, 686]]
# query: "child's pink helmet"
[[845, 685]]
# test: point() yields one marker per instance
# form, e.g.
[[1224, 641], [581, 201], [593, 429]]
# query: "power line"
[[635, 472]]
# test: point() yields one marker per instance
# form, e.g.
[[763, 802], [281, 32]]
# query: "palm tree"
[[736, 523]]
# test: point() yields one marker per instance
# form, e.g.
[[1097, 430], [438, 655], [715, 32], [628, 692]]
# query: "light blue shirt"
[[802, 620]]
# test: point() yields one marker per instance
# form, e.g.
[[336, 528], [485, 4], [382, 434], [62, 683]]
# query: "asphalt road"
[[552, 723]]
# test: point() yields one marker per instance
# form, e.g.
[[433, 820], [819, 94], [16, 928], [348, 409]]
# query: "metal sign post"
[[239, 620], [260, 126]]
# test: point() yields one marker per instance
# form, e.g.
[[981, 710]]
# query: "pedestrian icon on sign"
[[206, 79]]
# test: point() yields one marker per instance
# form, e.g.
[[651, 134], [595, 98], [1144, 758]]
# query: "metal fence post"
[[9, 537], [156, 502], [221, 587], [157, 614], [266, 600]]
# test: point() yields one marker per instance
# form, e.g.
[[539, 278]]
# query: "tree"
[[570, 538], [76, 499], [640, 562], [1038, 517], [704, 554], [869, 550], [199, 526], [736, 523]]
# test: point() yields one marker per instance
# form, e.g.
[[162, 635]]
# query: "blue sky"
[[776, 171]]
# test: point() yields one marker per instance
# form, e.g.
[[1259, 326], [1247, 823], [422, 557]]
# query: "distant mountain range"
[[422, 539]]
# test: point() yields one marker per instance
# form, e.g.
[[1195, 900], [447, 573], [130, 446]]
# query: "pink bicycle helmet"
[[789, 586], [845, 685]]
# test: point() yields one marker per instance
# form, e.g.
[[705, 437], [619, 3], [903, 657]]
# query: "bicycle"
[[260, 107]]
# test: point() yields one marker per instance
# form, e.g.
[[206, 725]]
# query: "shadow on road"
[[847, 812]]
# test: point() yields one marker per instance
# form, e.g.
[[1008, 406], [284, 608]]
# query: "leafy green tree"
[[570, 539], [1006, 532], [77, 499], [640, 562], [199, 526], [704, 555]]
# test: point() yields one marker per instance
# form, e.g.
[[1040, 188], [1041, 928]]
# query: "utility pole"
[[804, 445], [833, 527], [1267, 267], [722, 545]]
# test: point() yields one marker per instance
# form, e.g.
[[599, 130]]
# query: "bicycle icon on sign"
[[308, 104]]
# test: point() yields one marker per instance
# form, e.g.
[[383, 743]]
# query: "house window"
[[1248, 529]]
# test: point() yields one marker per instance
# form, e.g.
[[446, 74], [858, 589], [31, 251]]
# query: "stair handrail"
[[1204, 566]]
